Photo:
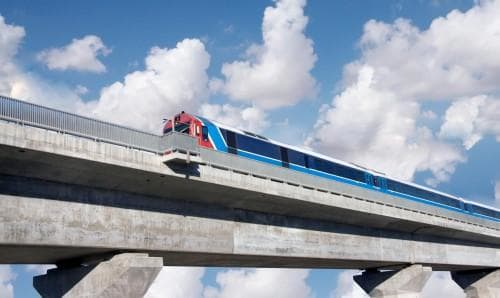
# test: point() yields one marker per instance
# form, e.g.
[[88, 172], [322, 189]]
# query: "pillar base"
[[407, 282], [479, 283], [124, 275]]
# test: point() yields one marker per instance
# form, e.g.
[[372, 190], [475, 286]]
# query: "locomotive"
[[230, 140]]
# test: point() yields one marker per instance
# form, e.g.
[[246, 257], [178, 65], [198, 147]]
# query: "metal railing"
[[39, 116]]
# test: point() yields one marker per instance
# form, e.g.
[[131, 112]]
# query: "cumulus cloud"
[[250, 118], [470, 119], [455, 57], [81, 90], [276, 73], [346, 287], [262, 283], [38, 269], [10, 38], [6, 279], [374, 127], [17, 83], [80, 54], [177, 282], [376, 119], [497, 192], [173, 80], [440, 284]]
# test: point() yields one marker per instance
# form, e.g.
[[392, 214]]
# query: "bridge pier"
[[124, 275], [407, 282], [478, 283]]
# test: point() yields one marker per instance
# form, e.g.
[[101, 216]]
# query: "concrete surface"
[[407, 282], [67, 222], [75, 197], [224, 180], [67, 199], [126, 275], [479, 283]]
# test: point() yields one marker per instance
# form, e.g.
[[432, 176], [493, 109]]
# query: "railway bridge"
[[110, 205]]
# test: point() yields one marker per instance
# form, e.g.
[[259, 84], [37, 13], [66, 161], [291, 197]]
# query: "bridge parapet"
[[26, 113]]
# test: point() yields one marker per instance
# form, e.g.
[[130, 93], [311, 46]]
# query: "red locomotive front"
[[191, 125]]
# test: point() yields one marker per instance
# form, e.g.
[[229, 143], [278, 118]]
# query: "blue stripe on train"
[[265, 159], [215, 135]]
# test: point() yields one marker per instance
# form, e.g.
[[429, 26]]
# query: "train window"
[[204, 133], [284, 157], [422, 193], [337, 169], [485, 211], [296, 157], [230, 138], [350, 173], [257, 146]]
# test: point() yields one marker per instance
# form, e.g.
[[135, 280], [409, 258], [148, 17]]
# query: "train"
[[217, 136]]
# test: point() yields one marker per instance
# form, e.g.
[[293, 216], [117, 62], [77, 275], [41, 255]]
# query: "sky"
[[409, 88]]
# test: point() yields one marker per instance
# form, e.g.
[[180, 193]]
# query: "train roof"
[[480, 204], [300, 149], [345, 163]]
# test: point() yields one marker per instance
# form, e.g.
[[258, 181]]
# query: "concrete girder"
[[478, 283], [407, 282], [124, 275]]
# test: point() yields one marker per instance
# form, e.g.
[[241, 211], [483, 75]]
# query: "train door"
[[369, 178], [379, 182], [284, 157], [201, 133]]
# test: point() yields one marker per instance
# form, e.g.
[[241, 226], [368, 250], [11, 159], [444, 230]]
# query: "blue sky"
[[406, 87]]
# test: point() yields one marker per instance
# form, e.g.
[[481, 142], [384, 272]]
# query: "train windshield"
[[179, 127]]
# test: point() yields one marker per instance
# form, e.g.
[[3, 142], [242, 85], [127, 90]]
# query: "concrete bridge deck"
[[108, 212], [80, 197]]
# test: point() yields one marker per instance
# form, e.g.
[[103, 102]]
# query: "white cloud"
[[470, 119], [6, 279], [346, 287], [455, 57], [10, 38], [80, 54], [262, 283], [497, 191], [174, 80], [440, 284], [277, 72], [250, 118], [81, 90], [376, 119], [17, 83], [177, 282], [375, 128], [38, 269]]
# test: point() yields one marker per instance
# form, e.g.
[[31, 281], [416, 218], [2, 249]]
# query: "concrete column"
[[407, 282], [478, 283], [124, 275]]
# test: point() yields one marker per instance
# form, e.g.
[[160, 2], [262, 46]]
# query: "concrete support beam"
[[124, 275], [407, 282], [478, 283]]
